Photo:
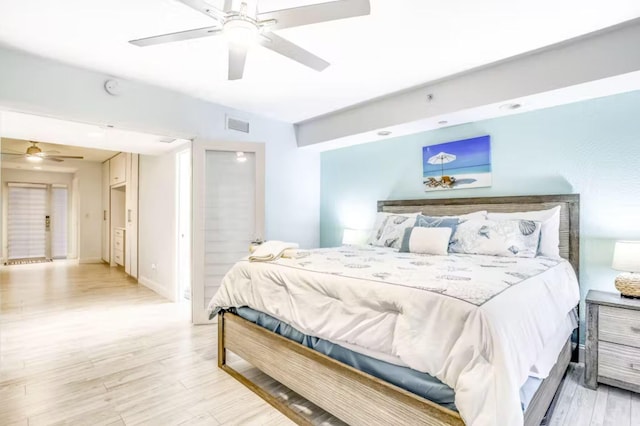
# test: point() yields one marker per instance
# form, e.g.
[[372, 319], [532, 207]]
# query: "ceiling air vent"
[[167, 140], [237, 125]]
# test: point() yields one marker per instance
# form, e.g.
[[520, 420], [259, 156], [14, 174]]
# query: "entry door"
[[228, 211], [26, 221]]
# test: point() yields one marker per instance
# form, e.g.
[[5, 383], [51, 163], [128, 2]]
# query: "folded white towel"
[[271, 250]]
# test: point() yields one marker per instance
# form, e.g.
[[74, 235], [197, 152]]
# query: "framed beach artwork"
[[457, 165]]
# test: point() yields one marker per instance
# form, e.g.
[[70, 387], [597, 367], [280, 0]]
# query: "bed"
[[359, 398]]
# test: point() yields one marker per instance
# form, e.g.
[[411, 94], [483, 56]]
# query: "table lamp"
[[353, 237], [626, 258]]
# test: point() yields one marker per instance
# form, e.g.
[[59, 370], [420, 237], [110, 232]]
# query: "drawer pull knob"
[[635, 330]]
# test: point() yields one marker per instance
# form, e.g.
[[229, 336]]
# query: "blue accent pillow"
[[437, 222]]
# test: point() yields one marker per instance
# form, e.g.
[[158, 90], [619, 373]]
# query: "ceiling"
[[402, 43], [77, 135]]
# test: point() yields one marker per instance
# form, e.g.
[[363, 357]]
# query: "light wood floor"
[[83, 344]]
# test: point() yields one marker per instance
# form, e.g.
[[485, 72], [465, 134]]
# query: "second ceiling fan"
[[245, 26], [35, 154]]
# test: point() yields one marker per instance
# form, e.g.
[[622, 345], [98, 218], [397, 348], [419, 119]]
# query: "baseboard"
[[154, 286], [90, 260]]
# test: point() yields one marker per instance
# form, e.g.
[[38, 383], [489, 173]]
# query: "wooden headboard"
[[569, 213]]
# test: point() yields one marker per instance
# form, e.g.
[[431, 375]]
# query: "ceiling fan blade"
[[178, 36], [228, 6], [284, 47], [51, 152], [315, 13], [237, 59], [204, 7], [77, 157], [54, 159], [11, 153]]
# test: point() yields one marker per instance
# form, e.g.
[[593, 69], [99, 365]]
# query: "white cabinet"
[[120, 212], [118, 168], [106, 234], [131, 242], [119, 246]]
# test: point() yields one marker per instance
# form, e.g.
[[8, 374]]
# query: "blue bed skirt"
[[421, 384]]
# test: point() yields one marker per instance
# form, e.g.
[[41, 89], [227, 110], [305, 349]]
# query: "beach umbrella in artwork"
[[441, 159]]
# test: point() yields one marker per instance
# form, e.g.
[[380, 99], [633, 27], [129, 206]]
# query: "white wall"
[[89, 176], [157, 223], [32, 84]]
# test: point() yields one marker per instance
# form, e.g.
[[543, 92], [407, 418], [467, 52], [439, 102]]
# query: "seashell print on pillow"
[[509, 238], [527, 227]]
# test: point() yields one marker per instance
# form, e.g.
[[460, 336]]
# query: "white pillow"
[[509, 238], [426, 240], [550, 234], [378, 226]]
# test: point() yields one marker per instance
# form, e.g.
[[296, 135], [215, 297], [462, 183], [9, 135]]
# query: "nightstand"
[[613, 341]]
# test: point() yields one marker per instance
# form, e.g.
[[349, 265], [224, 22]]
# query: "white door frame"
[[181, 256], [198, 155]]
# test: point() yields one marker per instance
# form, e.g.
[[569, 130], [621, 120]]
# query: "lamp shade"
[[626, 256], [353, 236]]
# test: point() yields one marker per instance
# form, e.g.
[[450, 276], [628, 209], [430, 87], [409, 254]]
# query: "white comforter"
[[477, 323]]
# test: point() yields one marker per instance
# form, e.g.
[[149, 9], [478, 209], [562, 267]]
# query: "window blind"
[[26, 210]]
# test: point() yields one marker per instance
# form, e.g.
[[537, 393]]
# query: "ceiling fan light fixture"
[[34, 158], [241, 31]]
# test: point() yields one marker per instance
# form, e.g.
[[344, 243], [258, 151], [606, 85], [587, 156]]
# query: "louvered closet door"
[[59, 229], [26, 211], [232, 215]]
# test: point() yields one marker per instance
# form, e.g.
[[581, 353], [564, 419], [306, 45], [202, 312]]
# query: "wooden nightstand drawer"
[[619, 362], [617, 325], [612, 347]]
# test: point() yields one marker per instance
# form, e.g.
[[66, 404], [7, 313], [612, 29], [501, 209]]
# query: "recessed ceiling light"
[[37, 168], [443, 122], [510, 106], [384, 133]]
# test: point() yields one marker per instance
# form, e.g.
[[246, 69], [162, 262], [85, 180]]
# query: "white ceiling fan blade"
[[204, 7], [76, 157], [178, 36], [227, 6], [54, 159], [237, 59], [293, 51], [315, 13]]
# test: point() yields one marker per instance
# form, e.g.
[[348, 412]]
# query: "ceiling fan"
[[246, 26], [36, 155]]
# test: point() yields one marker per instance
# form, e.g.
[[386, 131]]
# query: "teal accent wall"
[[591, 148]]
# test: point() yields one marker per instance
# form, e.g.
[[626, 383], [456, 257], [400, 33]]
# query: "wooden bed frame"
[[358, 398]]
